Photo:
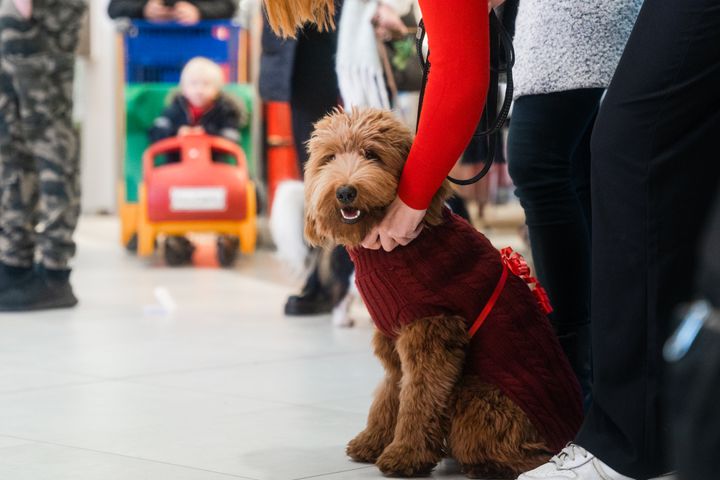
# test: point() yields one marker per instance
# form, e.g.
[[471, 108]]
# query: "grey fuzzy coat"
[[570, 44]]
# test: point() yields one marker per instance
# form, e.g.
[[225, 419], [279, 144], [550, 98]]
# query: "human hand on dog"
[[400, 226]]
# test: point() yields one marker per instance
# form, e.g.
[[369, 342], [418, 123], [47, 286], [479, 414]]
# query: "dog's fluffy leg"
[[287, 224], [369, 444], [489, 435], [432, 354]]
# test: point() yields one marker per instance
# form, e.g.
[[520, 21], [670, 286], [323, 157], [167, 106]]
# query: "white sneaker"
[[573, 463]]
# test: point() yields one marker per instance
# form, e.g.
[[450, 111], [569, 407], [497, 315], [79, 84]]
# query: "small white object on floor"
[[165, 305]]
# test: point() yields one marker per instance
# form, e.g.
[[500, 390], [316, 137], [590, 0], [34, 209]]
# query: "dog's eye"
[[327, 159], [371, 155]]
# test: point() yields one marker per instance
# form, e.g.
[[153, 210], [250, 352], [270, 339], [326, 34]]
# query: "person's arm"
[[215, 9], [458, 37], [162, 128], [126, 8], [167, 124]]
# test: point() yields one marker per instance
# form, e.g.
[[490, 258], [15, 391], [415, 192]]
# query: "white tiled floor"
[[223, 387]]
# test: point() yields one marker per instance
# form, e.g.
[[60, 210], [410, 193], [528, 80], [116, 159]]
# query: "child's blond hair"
[[204, 66], [287, 16]]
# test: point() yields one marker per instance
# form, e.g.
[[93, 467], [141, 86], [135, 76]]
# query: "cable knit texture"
[[452, 269], [567, 44]]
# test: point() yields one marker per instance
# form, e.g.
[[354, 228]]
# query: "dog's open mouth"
[[350, 214]]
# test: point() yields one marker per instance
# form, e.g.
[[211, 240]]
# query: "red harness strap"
[[491, 303], [514, 262]]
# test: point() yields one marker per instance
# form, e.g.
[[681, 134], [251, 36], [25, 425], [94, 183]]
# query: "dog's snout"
[[346, 194]]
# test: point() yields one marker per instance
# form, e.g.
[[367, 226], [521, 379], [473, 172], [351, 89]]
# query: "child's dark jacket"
[[224, 119]]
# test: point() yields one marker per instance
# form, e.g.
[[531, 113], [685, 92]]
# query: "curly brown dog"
[[499, 401]]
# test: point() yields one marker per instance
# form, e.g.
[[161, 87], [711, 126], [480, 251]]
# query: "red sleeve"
[[458, 38]]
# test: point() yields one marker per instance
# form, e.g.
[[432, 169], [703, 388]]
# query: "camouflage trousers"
[[39, 146]]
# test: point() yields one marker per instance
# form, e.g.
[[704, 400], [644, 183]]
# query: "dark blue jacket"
[[276, 66], [223, 119]]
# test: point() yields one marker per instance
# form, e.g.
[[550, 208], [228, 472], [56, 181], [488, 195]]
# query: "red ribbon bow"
[[517, 265]]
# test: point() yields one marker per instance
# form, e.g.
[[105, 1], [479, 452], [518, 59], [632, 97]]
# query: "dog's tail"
[[287, 225]]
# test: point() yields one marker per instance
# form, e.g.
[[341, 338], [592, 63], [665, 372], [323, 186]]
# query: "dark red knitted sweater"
[[452, 269]]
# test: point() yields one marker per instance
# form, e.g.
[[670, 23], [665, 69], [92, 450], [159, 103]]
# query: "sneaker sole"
[[37, 307]]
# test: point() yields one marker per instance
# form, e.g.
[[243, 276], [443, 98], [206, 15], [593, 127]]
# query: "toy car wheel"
[[228, 248], [178, 251], [132, 244]]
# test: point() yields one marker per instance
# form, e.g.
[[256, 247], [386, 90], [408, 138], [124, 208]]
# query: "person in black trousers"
[[566, 54], [301, 71], [654, 176], [549, 152]]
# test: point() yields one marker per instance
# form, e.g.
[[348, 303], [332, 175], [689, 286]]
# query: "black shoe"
[[312, 303], [314, 299], [132, 244], [320, 295], [11, 276], [44, 289], [178, 251]]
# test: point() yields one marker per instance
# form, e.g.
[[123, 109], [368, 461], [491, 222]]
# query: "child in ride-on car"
[[199, 107]]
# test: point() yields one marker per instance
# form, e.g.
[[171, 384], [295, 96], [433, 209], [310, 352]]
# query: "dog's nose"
[[346, 194]]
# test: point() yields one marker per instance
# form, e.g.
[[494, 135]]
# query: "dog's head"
[[352, 175]]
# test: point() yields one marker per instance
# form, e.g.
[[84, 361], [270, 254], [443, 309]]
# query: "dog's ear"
[[311, 234], [434, 215]]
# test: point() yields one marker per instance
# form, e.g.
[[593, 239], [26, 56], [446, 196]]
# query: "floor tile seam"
[[121, 455], [52, 387], [334, 473], [279, 404], [189, 370], [32, 366], [328, 409], [236, 365]]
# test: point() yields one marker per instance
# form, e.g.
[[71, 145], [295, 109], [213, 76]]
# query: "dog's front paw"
[[366, 447], [399, 460]]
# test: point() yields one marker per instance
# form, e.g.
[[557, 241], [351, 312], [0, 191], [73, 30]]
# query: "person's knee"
[[544, 184], [520, 168], [537, 175]]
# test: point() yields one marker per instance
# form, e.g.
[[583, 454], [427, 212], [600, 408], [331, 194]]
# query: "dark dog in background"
[[500, 399]]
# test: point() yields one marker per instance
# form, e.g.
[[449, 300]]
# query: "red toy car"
[[203, 186]]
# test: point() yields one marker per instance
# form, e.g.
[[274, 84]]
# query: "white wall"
[[95, 106]]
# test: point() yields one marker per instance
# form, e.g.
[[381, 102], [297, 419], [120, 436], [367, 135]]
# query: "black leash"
[[502, 59]]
